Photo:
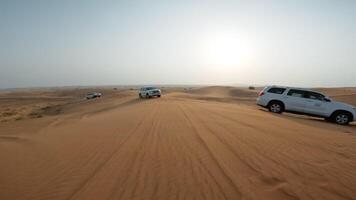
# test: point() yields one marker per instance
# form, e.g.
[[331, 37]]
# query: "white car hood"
[[344, 106]]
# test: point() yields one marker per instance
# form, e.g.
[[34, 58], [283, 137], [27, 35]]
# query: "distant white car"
[[93, 95], [148, 92], [302, 101]]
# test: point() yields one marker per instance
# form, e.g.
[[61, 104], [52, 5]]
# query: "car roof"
[[296, 88]]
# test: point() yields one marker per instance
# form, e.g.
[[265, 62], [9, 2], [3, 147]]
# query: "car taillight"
[[261, 93]]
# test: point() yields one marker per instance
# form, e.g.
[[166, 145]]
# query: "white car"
[[148, 92], [93, 95], [302, 101]]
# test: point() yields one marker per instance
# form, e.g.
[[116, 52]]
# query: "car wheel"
[[342, 118], [159, 96], [139, 95], [147, 95], [275, 107]]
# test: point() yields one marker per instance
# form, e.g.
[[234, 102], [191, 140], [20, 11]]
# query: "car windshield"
[[149, 88]]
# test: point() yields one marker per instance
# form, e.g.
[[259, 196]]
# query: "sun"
[[227, 48]]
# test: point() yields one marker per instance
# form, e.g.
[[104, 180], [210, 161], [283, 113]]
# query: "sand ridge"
[[176, 147]]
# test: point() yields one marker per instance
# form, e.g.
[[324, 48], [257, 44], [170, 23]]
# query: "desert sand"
[[196, 143]]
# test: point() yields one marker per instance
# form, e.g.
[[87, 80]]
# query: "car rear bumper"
[[261, 101]]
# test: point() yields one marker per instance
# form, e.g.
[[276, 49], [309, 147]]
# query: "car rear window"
[[276, 90]]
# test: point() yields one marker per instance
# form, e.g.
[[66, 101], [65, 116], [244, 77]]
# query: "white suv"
[[93, 95], [148, 92], [301, 101]]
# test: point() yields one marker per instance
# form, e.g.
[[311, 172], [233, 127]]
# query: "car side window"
[[315, 96], [276, 90], [296, 93]]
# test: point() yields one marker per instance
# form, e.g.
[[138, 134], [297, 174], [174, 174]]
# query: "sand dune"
[[19, 105], [220, 94], [347, 95], [224, 91], [176, 147]]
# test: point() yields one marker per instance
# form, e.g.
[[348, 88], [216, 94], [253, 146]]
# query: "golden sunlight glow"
[[227, 48]]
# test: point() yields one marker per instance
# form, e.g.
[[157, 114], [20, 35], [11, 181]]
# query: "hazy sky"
[[86, 42]]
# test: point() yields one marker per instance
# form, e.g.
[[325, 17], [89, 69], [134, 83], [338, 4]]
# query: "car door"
[[295, 100], [315, 104]]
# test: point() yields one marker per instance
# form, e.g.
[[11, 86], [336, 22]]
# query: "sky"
[[86, 42]]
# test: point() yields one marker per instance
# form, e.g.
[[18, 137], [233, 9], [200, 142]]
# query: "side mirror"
[[327, 99]]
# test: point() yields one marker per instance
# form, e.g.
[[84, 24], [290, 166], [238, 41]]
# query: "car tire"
[[148, 96], [276, 107], [341, 118], [159, 96]]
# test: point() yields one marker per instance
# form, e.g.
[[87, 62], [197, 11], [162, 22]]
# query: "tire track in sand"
[[101, 166], [293, 189], [205, 145], [265, 183], [138, 158]]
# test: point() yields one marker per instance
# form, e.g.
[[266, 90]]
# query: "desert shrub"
[[19, 118], [50, 110], [35, 114], [8, 113], [251, 87]]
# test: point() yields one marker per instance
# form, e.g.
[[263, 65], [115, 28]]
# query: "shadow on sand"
[[314, 121]]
